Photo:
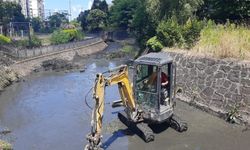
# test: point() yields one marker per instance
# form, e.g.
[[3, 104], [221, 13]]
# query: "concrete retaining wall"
[[217, 84], [28, 53]]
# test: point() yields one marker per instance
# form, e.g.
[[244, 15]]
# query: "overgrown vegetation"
[[65, 36], [224, 41], [4, 39], [34, 42], [154, 44]]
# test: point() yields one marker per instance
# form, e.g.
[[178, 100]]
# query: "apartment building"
[[31, 8]]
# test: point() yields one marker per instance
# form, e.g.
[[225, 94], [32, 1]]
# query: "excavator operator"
[[164, 84]]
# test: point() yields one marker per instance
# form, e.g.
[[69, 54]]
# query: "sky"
[[76, 6]]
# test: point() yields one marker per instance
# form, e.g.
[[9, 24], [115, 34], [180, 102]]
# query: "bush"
[[35, 42], [74, 34], [59, 37], [65, 36], [191, 32], [4, 39], [154, 44], [169, 32]]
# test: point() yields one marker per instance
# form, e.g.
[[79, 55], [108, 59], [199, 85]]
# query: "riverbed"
[[47, 111]]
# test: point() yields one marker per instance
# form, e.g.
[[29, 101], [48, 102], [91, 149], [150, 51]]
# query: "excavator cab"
[[154, 84]]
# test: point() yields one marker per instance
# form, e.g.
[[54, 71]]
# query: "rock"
[[246, 82], [82, 70], [57, 65], [4, 131], [234, 76], [227, 84], [246, 90], [208, 91], [225, 68], [219, 74]]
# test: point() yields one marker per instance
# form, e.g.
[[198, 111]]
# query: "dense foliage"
[[10, 12], [154, 44], [37, 24], [173, 23], [65, 36], [96, 19], [57, 19], [59, 37], [34, 42]]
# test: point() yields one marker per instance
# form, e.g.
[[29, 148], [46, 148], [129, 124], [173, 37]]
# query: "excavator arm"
[[117, 76]]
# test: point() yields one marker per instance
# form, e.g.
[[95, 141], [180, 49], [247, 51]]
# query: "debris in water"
[[4, 131], [5, 146]]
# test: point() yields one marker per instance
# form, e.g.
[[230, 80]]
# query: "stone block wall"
[[217, 84]]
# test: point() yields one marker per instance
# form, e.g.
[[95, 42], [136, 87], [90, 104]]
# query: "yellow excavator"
[[151, 99]]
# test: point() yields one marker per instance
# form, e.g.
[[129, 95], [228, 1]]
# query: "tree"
[[121, 13], [221, 10], [37, 24], [102, 5], [181, 9], [82, 18], [10, 12], [142, 24], [96, 20], [57, 19]]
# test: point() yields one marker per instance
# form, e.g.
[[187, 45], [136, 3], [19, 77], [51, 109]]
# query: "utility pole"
[[70, 10], [29, 24]]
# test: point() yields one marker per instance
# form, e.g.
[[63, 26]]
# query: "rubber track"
[[178, 124], [141, 129]]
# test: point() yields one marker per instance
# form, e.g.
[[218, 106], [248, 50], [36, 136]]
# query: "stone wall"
[[217, 84]]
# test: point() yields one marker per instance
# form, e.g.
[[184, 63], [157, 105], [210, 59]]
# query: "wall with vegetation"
[[222, 85]]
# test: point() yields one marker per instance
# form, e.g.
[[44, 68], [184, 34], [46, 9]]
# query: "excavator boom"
[[117, 76]]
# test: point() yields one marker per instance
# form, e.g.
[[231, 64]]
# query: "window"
[[146, 86], [146, 79]]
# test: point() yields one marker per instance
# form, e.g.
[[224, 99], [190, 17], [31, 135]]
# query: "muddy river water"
[[48, 112]]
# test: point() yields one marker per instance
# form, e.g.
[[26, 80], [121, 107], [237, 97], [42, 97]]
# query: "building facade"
[[31, 8], [36, 8]]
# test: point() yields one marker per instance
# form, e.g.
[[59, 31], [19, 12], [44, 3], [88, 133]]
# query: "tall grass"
[[224, 41]]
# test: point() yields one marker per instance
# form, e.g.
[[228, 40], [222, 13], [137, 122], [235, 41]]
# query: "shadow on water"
[[117, 134]]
